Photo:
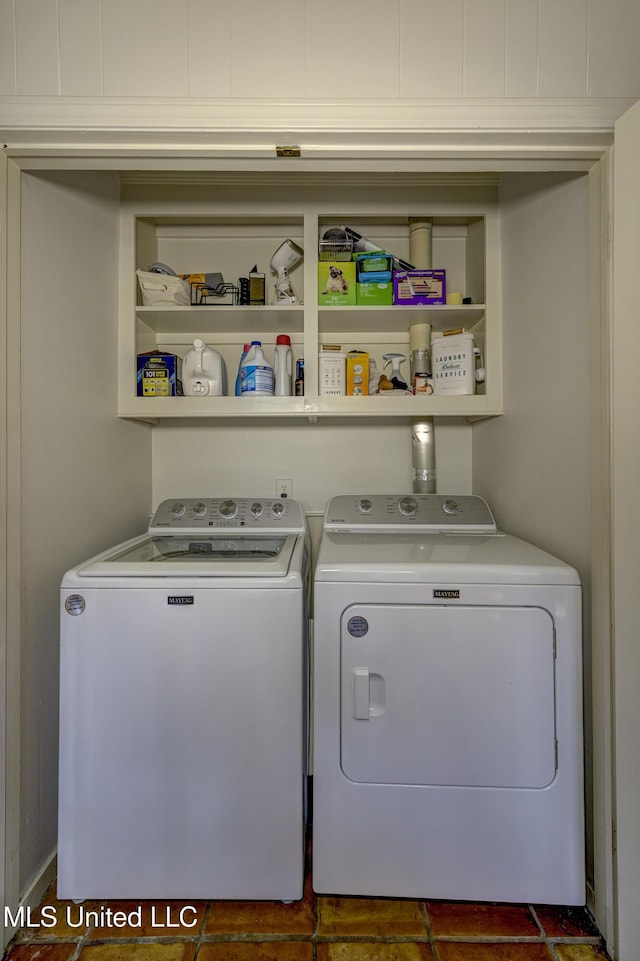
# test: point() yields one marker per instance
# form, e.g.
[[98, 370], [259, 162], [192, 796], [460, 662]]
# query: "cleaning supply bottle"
[[256, 373], [396, 378], [203, 371], [242, 357], [283, 366]]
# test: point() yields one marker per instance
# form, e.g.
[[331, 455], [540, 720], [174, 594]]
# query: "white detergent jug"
[[203, 371]]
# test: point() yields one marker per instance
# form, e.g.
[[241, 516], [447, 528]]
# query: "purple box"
[[419, 287]]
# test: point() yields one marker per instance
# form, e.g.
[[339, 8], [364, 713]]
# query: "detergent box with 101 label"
[[159, 375]]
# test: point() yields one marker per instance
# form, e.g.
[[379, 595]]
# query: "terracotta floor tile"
[[149, 919], [260, 917], [463, 919], [374, 951], [580, 952], [505, 951], [155, 951], [257, 951], [376, 917], [66, 913], [41, 952], [565, 922]]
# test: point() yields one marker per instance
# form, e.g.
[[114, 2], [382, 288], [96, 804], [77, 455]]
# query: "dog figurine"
[[336, 282]]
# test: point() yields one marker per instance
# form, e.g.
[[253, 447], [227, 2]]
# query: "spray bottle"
[[396, 378]]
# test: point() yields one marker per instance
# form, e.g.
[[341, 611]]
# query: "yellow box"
[[357, 373]]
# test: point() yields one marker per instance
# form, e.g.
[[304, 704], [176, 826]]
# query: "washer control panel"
[[228, 513], [416, 512]]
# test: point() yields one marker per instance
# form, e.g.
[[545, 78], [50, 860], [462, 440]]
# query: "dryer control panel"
[[228, 513], [416, 512]]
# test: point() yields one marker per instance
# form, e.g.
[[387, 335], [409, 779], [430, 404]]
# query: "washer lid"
[[196, 555]]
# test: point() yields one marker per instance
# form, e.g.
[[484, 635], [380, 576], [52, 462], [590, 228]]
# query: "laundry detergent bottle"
[[283, 366], [203, 371], [256, 373]]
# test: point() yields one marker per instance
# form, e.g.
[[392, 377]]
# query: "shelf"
[[157, 408], [364, 320], [223, 319], [232, 230], [381, 405]]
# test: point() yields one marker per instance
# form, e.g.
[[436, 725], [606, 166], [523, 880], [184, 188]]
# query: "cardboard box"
[[159, 375], [454, 364], [373, 295], [372, 267], [331, 373], [337, 284], [419, 287], [357, 373]]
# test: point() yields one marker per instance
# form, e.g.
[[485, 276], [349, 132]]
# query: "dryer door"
[[448, 695]]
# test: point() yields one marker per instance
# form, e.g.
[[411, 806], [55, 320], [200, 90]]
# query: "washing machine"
[[183, 708], [447, 707]]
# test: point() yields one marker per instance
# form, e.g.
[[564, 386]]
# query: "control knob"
[[228, 508], [199, 509], [408, 506]]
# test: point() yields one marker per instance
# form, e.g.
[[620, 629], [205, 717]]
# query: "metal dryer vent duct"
[[423, 461], [423, 445]]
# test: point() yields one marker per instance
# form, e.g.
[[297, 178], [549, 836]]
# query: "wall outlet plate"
[[284, 488]]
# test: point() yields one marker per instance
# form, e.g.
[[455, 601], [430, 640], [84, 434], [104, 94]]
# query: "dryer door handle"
[[361, 710]]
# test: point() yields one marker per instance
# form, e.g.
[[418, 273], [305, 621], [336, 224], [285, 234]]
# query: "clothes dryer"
[[447, 707], [183, 707]]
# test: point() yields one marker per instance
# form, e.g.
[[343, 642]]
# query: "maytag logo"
[[446, 595], [180, 599]]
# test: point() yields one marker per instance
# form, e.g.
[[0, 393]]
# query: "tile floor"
[[317, 928]]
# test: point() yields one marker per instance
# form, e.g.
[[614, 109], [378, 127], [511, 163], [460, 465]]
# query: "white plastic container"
[[332, 373], [203, 371], [256, 373], [453, 363], [283, 366]]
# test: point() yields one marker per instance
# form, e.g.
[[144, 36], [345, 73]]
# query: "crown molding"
[[328, 128]]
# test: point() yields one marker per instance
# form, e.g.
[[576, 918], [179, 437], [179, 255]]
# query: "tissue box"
[[419, 287], [337, 284], [374, 294], [159, 375]]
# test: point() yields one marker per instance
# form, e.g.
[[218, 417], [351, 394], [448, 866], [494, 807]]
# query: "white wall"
[[533, 464], [86, 476], [542, 443], [316, 50]]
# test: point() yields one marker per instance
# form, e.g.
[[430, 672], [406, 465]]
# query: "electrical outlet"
[[284, 488]]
